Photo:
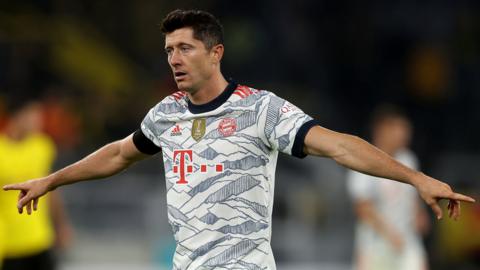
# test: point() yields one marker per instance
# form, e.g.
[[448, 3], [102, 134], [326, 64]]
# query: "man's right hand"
[[30, 193], [106, 161]]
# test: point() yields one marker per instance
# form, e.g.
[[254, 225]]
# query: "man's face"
[[29, 119], [191, 63], [394, 132]]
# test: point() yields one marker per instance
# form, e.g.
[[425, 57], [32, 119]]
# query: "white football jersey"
[[220, 161]]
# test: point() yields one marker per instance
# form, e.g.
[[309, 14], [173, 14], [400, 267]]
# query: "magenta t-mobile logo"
[[183, 160]]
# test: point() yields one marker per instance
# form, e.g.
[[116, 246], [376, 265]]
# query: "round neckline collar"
[[216, 102]]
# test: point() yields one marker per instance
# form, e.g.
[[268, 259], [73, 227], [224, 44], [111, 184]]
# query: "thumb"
[[437, 210]]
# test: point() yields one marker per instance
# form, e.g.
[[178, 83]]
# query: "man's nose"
[[175, 58]]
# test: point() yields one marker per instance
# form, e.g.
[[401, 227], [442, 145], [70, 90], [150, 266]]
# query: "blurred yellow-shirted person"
[[27, 241]]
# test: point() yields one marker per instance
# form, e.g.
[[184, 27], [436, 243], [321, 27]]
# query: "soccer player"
[[25, 152], [220, 142], [390, 215]]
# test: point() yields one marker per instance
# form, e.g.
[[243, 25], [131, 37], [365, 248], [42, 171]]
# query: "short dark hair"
[[16, 103], [387, 112], [206, 27]]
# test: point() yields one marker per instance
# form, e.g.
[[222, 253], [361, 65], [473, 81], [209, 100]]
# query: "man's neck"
[[209, 91]]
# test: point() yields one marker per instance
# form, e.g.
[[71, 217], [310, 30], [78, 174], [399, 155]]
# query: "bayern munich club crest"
[[227, 126]]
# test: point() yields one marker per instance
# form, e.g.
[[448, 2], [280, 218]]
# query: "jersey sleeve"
[[360, 186], [144, 144], [146, 138], [283, 126]]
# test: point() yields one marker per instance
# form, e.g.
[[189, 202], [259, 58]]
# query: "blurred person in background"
[[25, 152], [391, 216], [220, 142]]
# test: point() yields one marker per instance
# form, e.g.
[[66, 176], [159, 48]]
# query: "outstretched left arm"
[[356, 154]]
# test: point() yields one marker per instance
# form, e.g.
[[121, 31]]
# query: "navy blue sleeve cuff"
[[297, 149], [144, 144]]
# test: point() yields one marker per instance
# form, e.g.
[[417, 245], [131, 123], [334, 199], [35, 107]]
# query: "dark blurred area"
[[90, 60], [98, 66]]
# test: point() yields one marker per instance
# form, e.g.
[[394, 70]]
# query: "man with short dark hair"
[[220, 142]]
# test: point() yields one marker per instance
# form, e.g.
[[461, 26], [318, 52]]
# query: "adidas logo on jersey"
[[176, 131]]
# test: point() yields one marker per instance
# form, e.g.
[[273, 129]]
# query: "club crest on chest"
[[198, 129]]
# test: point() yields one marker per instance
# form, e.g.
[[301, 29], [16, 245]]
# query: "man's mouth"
[[179, 75]]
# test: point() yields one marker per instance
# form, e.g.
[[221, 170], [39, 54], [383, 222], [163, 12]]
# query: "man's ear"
[[217, 53]]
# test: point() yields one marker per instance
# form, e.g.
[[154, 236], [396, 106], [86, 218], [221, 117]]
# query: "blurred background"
[[98, 66]]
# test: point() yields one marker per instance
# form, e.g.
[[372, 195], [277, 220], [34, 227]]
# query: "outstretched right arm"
[[106, 161]]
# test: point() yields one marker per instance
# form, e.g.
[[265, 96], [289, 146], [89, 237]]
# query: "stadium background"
[[98, 66]]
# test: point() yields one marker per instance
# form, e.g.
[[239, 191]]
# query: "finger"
[[23, 202], [35, 204], [437, 210], [29, 207], [21, 194], [456, 210], [461, 197], [453, 209], [13, 187], [450, 208]]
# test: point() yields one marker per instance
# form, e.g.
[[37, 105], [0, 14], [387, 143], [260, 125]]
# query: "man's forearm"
[[355, 153], [104, 162], [361, 156]]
